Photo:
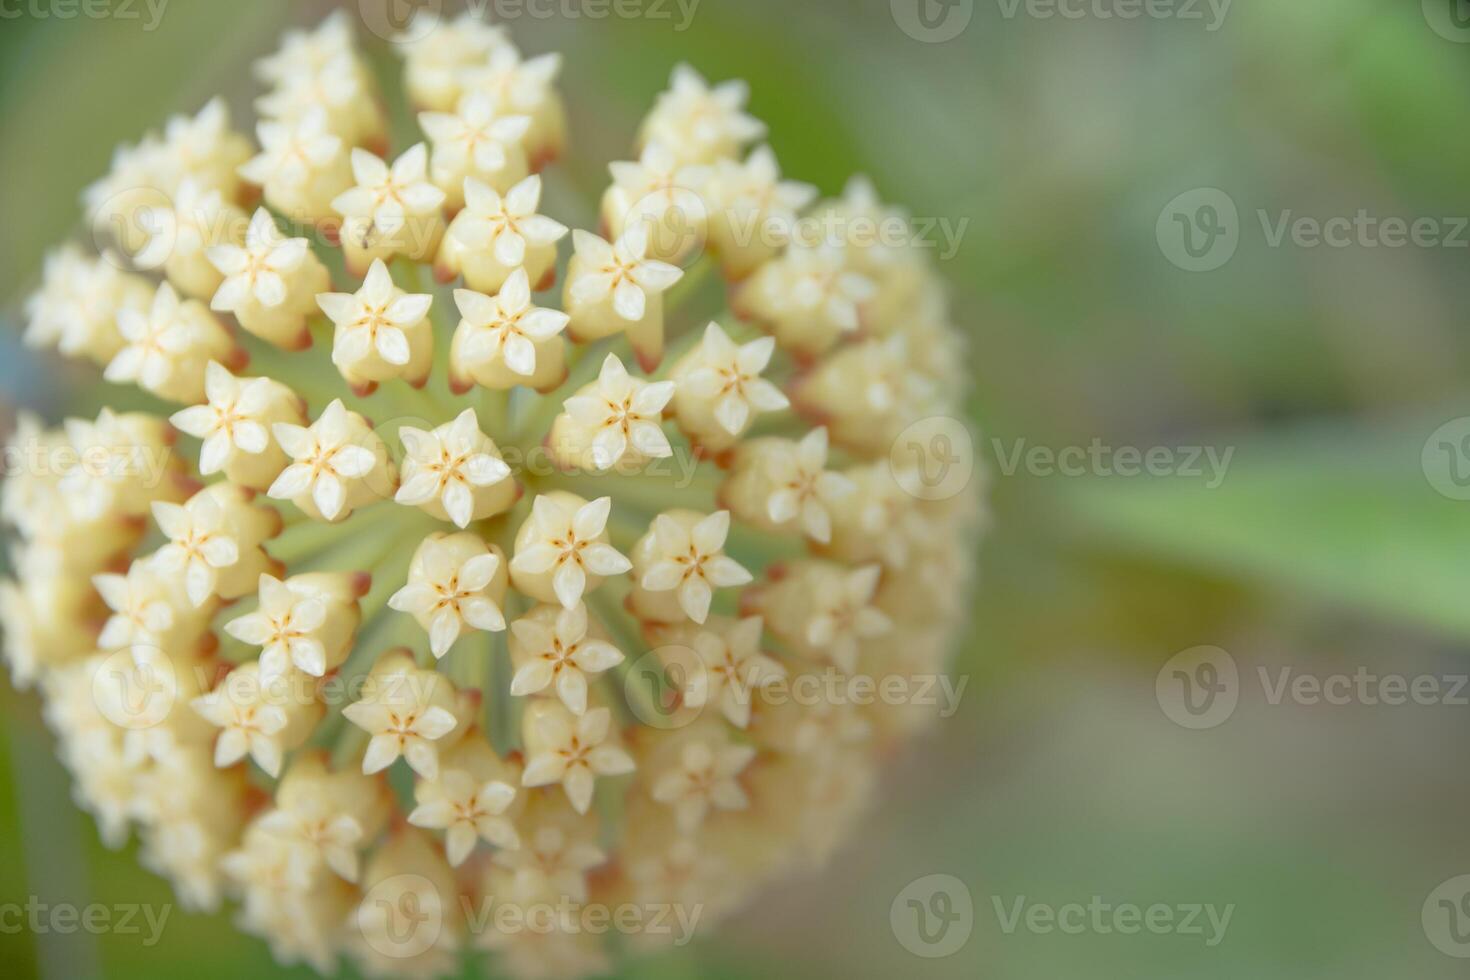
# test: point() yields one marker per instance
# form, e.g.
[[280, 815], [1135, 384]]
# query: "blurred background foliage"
[[1056, 142]]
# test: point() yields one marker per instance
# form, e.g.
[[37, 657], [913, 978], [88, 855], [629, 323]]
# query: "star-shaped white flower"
[[258, 270], [200, 544], [234, 419], [477, 136], [843, 614], [507, 226], [701, 122], [312, 828], [506, 327], [573, 751], [143, 614], [805, 489], [559, 654], [620, 411], [401, 714], [734, 668], [449, 465], [727, 377], [164, 351], [249, 725], [755, 186], [287, 628], [705, 778], [325, 455], [621, 270], [450, 594], [568, 546], [376, 319], [467, 812], [691, 561], [551, 862], [388, 195]]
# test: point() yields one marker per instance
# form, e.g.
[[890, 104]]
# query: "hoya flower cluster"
[[458, 552]]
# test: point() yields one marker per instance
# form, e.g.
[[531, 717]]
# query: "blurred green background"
[[1333, 543]]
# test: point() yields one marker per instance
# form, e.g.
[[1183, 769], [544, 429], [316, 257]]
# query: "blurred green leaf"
[[1344, 514]]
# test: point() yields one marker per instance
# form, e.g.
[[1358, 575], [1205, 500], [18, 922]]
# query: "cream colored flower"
[[302, 166], [720, 389], [699, 123], [198, 217], [341, 87], [727, 669], [167, 348], [393, 210], [119, 464], [77, 306], [256, 719], [503, 341], [468, 812], [562, 551], [306, 622], [214, 541], [307, 49], [270, 283], [552, 648], [617, 287], [477, 142], [495, 235], [150, 611], [330, 838], [235, 426], [340, 464], [455, 472], [381, 331], [705, 777], [406, 711], [455, 582], [435, 51], [808, 298], [522, 86], [616, 416], [752, 211], [778, 484], [551, 862], [683, 555], [662, 193], [564, 748], [824, 610]]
